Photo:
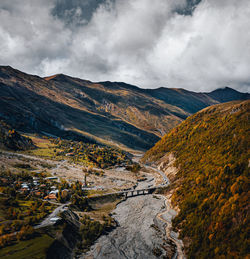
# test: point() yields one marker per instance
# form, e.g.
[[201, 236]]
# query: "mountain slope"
[[33, 104], [212, 184], [116, 113], [227, 94], [186, 100], [192, 102]]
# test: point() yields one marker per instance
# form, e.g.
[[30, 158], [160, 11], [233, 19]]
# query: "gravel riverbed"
[[140, 233]]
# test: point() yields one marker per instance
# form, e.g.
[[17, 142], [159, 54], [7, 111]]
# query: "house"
[[51, 196], [35, 182], [38, 194], [70, 154], [24, 186], [54, 192], [4, 180], [24, 190]]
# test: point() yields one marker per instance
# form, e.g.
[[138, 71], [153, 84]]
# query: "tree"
[[25, 233]]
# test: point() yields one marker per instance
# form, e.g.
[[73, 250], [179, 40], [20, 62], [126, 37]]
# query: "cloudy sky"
[[192, 44]]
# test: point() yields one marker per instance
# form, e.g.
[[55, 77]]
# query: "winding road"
[[47, 221]]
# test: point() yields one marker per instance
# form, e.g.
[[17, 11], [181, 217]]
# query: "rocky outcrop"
[[65, 243], [167, 165]]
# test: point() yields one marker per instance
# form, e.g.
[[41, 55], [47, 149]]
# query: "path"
[[27, 156], [165, 178]]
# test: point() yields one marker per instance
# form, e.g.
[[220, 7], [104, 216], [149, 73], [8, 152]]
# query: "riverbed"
[[140, 233]]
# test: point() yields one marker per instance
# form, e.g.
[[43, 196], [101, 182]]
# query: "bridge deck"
[[134, 192]]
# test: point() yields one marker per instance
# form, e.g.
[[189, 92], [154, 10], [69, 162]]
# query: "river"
[[143, 231]]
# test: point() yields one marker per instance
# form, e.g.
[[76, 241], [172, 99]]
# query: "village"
[[38, 186]]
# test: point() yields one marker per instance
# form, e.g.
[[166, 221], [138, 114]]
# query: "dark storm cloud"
[[189, 8], [75, 12], [198, 45]]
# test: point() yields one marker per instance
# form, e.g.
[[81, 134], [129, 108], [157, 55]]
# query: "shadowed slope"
[[114, 113]]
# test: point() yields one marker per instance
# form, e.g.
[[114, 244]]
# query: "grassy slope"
[[212, 188], [45, 148]]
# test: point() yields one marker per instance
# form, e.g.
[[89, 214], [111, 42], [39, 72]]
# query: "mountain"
[[192, 102], [227, 94], [109, 112], [11, 139], [211, 187]]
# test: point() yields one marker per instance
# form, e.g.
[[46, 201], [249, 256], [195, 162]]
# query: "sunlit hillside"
[[212, 184]]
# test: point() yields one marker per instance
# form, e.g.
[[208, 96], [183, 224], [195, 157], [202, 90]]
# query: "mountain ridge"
[[114, 112]]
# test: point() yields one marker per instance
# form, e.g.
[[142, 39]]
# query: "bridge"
[[134, 192]]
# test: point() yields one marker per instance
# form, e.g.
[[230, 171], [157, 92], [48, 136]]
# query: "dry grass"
[[101, 210]]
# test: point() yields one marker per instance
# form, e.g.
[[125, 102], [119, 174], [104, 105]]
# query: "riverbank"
[[166, 217]]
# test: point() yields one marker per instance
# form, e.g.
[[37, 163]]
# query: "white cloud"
[[136, 41]]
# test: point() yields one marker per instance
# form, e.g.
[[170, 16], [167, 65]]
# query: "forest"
[[212, 184]]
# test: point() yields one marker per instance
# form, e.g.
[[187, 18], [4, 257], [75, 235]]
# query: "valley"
[[110, 170], [127, 214]]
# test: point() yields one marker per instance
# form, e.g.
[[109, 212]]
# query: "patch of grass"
[[23, 203], [45, 148], [107, 207], [96, 192], [40, 142], [47, 152], [35, 248], [101, 209], [23, 166]]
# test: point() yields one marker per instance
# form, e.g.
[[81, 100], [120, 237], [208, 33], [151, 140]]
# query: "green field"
[[34, 248]]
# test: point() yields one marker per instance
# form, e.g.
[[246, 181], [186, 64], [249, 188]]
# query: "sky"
[[198, 45]]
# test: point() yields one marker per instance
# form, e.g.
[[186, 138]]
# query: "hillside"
[[211, 187], [11, 139], [114, 113]]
